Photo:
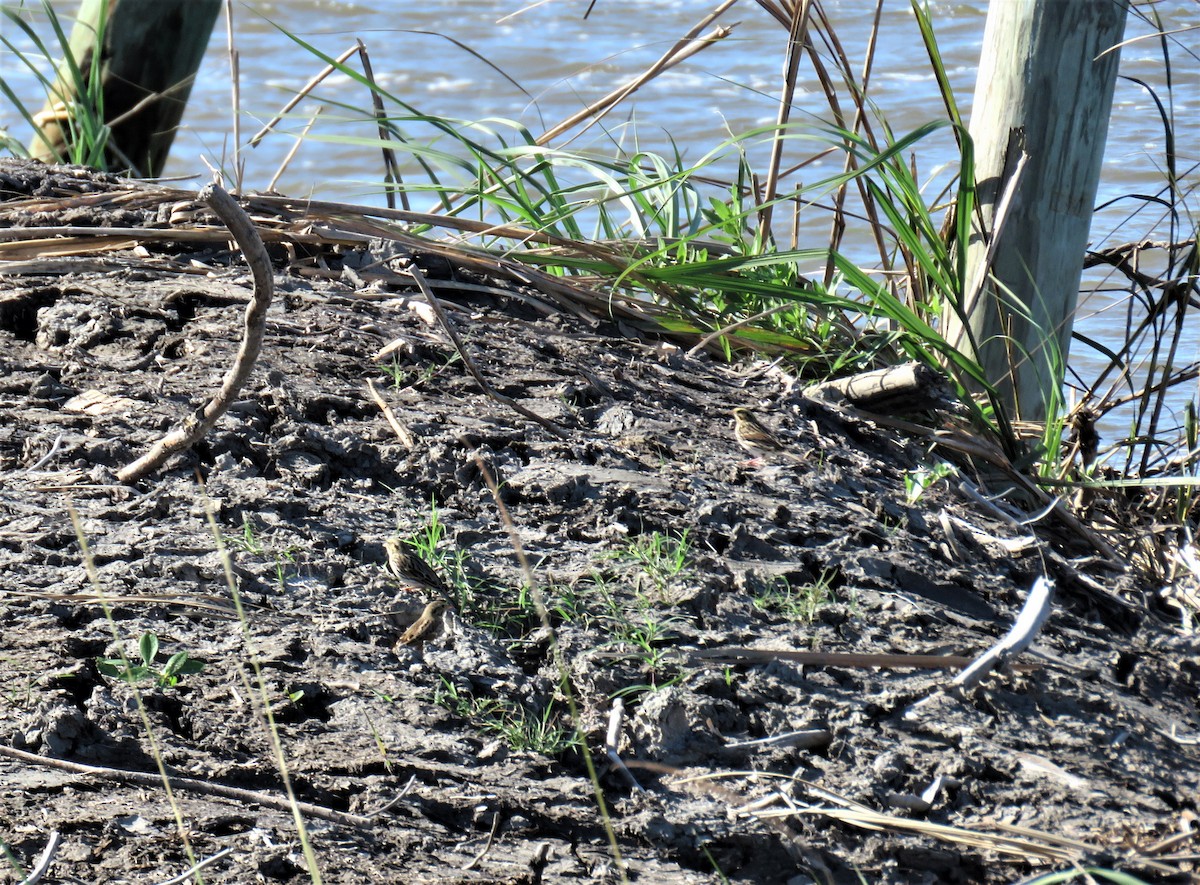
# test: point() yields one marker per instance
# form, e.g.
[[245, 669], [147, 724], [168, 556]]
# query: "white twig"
[[407, 788], [1030, 621], [46, 457], [45, 860], [613, 738], [188, 873], [803, 740]]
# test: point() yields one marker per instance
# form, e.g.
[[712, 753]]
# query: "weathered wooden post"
[[150, 54], [1041, 108]]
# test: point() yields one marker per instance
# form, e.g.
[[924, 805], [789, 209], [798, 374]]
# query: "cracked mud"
[[748, 768]]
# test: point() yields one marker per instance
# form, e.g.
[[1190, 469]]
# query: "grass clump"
[[801, 604], [519, 728], [640, 633], [664, 558]]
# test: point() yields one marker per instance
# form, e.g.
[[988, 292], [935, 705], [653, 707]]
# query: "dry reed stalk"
[[684, 48]]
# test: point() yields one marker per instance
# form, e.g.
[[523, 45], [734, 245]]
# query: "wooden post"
[[151, 52], [1039, 123]]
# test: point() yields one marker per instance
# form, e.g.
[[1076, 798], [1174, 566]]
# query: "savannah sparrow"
[[424, 625], [411, 570], [755, 438]]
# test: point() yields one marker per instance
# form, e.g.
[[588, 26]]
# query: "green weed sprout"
[[178, 665]]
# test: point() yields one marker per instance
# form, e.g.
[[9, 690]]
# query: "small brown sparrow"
[[411, 570], [755, 438], [424, 625]]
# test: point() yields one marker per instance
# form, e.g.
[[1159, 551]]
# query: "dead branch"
[[192, 785], [195, 426]]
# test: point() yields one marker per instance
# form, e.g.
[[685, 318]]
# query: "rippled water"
[[541, 65]]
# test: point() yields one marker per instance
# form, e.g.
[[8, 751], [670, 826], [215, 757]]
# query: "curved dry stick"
[[195, 426], [448, 328]]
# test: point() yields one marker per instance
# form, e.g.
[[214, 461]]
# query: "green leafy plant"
[[177, 666], [396, 371], [647, 640], [920, 480], [565, 601], [402, 376], [429, 538]]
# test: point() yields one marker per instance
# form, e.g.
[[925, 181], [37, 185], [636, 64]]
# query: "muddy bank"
[[452, 760]]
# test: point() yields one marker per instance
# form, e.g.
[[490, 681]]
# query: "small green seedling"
[[663, 557], [918, 482], [178, 665], [250, 541], [396, 371]]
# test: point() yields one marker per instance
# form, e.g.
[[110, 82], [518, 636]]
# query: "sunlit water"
[[542, 65]]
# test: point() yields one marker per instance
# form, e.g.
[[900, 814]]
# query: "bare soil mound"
[[440, 760]]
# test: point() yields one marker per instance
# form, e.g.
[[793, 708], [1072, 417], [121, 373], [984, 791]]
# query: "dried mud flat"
[[1085, 758]]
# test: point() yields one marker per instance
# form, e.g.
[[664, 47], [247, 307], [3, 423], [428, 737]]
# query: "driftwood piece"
[[908, 387], [195, 426], [1025, 629]]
